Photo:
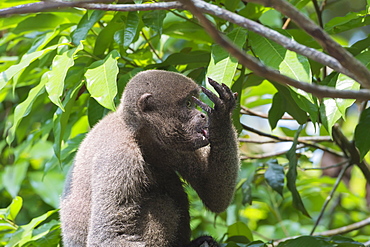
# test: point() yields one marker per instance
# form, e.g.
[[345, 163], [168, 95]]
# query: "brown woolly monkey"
[[124, 188]]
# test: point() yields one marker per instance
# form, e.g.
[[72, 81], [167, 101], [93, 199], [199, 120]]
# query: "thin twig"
[[250, 112], [337, 231], [330, 196], [151, 46], [269, 155], [326, 167]]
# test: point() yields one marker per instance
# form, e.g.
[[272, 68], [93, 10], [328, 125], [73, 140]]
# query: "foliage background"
[[63, 70]]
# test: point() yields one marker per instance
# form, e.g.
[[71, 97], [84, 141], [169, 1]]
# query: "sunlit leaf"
[[288, 63], [101, 79], [24, 108], [222, 66], [56, 76], [13, 209], [7, 75]]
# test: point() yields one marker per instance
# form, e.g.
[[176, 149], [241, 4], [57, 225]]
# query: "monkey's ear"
[[144, 103]]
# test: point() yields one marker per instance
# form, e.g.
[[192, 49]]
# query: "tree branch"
[[96, 5], [305, 141], [337, 231], [268, 73], [350, 151], [245, 59], [332, 47], [275, 36]]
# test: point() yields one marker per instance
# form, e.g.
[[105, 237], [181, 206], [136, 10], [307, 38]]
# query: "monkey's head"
[[160, 104]]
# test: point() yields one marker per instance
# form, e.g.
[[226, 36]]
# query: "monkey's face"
[[175, 123]]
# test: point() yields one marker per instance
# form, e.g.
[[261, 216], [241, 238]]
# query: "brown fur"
[[123, 189]]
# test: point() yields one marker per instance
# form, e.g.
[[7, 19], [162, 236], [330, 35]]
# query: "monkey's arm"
[[216, 169], [118, 178]]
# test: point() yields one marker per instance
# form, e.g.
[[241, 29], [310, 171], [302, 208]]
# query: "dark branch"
[[268, 73], [332, 47]]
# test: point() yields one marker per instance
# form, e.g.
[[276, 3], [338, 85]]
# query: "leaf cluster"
[[62, 70]]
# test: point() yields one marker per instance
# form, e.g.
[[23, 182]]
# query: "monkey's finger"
[[213, 97], [202, 105], [230, 94], [219, 88]]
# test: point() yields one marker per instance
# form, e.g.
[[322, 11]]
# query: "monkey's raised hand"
[[224, 104]]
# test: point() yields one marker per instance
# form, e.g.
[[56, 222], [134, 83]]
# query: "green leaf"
[[306, 241], [105, 37], [240, 229], [46, 235], [345, 83], [154, 20], [40, 22], [292, 175], [131, 28], [196, 57], [13, 177], [41, 184], [101, 79], [60, 65], [222, 66], [277, 110], [329, 113], [289, 104], [288, 63], [26, 231], [95, 112], [275, 56], [24, 108], [13, 209], [86, 23], [187, 31], [26, 60], [60, 119], [348, 22], [362, 133], [274, 176]]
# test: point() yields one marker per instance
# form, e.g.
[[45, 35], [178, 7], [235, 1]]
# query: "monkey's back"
[[76, 199]]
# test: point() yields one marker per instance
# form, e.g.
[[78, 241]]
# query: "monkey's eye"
[[189, 103]]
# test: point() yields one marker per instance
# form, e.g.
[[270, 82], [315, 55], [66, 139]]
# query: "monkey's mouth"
[[204, 133]]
